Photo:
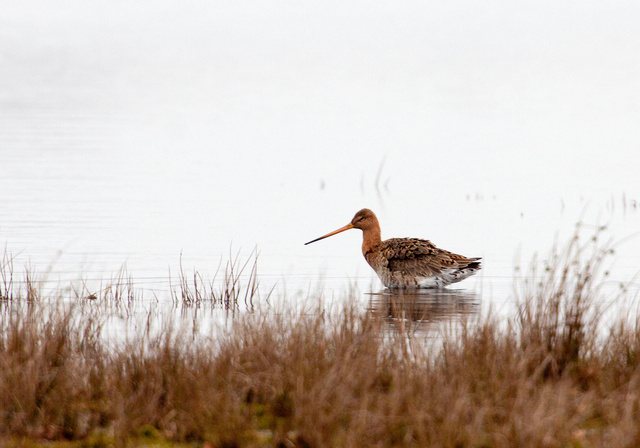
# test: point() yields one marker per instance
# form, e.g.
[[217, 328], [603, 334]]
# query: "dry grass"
[[239, 286], [549, 377]]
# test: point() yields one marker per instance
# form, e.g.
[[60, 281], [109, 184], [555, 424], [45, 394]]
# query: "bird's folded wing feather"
[[415, 256]]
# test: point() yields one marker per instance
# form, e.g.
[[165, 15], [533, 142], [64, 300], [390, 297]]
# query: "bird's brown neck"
[[370, 240]]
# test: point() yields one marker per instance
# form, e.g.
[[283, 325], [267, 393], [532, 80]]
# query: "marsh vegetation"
[[552, 374]]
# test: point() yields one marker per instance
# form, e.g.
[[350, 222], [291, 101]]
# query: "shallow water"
[[159, 134]]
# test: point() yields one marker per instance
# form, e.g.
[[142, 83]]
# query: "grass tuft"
[[238, 287]]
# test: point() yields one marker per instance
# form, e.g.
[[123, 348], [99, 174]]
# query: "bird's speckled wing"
[[419, 257]]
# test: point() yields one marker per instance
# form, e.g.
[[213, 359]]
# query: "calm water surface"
[[152, 135]]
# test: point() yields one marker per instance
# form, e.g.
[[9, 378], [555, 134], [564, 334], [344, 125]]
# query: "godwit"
[[407, 262]]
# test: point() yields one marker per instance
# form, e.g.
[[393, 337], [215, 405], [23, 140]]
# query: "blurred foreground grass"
[[548, 376]]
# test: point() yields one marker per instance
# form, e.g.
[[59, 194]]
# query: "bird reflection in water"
[[423, 310]]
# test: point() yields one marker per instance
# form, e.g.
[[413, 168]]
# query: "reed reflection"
[[425, 309]]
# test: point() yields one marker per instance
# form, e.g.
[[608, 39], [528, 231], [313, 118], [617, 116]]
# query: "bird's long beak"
[[341, 229]]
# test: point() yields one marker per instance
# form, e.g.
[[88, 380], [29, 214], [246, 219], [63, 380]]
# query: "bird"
[[407, 263]]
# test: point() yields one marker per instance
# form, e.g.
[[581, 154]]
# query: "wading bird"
[[407, 262]]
